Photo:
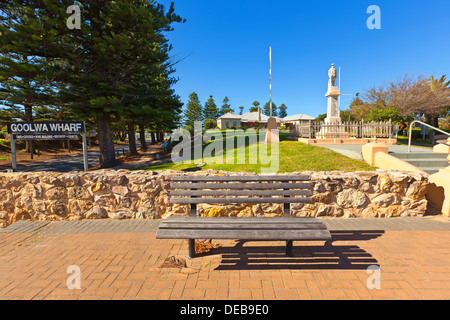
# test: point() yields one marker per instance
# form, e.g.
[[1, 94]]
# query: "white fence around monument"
[[352, 129]]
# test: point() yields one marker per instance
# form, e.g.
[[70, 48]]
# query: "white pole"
[[270, 71], [339, 98], [13, 153], [85, 155]]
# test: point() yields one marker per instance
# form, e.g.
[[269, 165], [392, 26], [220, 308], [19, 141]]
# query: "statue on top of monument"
[[332, 74]]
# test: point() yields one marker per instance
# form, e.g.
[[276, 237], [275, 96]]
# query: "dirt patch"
[[50, 150], [44, 151]]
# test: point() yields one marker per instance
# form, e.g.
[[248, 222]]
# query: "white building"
[[257, 119], [298, 118], [229, 120]]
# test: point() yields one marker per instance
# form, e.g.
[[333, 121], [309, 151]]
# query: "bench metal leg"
[[191, 248], [289, 247]]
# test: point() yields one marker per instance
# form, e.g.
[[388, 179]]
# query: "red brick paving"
[[413, 265]]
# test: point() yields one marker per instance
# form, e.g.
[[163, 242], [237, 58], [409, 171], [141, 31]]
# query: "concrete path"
[[121, 259], [354, 151]]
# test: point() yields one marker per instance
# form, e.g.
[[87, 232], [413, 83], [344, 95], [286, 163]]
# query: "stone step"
[[428, 162], [419, 155], [431, 170]]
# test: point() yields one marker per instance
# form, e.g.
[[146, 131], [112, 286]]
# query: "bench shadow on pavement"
[[317, 255]]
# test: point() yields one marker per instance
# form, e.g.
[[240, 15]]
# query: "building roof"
[[297, 117], [229, 115], [253, 117]]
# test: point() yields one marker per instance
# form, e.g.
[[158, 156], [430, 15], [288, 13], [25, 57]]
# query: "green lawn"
[[294, 156]]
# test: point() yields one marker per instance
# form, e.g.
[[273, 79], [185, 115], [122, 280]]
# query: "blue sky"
[[223, 47]]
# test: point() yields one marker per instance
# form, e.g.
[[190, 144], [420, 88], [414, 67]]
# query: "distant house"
[[254, 119], [298, 118], [229, 120], [250, 119], [257, 119]]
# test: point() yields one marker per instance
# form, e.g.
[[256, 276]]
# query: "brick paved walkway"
[[122, 259]]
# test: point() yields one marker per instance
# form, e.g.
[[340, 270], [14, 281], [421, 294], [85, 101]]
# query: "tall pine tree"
[[96, 70], [194, 111], [282, 111], [266, 109], [225, 107], [210, 111]]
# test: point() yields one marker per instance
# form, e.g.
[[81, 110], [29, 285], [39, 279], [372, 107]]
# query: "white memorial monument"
[[333, 116]]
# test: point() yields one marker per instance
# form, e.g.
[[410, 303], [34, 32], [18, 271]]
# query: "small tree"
[[266, 109], [282, 111], [194, 111], [210, 111], [225, 107], [358, 108], [321, 117], [386, 114], [255, 105]]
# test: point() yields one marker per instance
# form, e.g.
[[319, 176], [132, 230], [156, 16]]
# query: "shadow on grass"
[[328, 256], [193, 169]]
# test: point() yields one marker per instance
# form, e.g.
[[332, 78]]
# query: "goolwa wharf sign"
[[47, 130]]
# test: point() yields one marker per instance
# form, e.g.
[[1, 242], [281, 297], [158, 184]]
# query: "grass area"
[[403, 140], [293, 156]]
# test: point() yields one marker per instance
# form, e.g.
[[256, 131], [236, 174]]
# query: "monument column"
[[333, 114]]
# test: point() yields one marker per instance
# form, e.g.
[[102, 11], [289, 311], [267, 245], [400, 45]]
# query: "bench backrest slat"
[[227, 193], [242, 178], [230, 185], [240, 200], [284, 189]]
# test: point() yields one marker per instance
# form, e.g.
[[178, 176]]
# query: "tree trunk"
[[142, 137], [153, 138], [105, 140], [131, 139], [29, 117], [432, 120]]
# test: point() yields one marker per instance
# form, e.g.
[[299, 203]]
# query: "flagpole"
[[342, 94], [270, 72], [339, 98]]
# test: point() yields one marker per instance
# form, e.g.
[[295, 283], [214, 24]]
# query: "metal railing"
[[425, 124], [359, 129]]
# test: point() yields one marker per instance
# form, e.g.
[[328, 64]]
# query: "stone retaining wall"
[[145, 195]]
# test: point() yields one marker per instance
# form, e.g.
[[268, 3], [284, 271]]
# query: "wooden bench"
[[193, 190]]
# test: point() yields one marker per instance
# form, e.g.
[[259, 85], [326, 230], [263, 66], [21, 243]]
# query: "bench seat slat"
[[240, 200], [203, 185], [242, 178], [244, 226], [238, 220], [222, 193], [304, 235]]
